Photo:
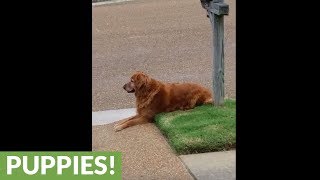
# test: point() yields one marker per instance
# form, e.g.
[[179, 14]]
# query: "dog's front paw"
[[117, 127]]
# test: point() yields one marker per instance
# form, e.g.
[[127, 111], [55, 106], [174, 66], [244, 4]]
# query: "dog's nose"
[[124, 86]]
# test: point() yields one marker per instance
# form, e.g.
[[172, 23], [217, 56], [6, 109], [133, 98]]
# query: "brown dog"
[[153, 97]]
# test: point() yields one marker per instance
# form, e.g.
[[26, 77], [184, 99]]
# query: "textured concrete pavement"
[[169, 39], [212, 166], [172, 41], [145, 152]]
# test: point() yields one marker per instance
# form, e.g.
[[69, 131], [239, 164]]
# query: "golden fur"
[[153, 97]]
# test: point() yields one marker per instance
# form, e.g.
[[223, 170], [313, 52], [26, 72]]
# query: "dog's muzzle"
[[125, 87]]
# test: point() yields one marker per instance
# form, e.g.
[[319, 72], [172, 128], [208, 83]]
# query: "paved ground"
[[212, 166], [145, 152], [169, 39]]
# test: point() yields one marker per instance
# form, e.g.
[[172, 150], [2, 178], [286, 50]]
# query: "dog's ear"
[[142, 80], [147, 82], [137, 75], [137, 78]]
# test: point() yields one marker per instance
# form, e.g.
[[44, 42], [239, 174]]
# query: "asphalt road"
[[169, 39]]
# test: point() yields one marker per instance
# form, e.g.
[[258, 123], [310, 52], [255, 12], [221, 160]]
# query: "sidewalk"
[[213, 165], [147, 155], [145, 152]]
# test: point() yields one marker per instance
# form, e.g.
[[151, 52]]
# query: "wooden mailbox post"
[[216, 10]]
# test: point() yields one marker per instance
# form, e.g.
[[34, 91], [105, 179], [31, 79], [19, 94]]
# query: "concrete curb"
[[94, 1], [110, 116], [103, 2]]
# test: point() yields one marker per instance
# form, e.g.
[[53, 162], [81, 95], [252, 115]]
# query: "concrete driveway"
[[169, 39]]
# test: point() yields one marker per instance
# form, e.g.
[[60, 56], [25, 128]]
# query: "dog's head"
[[138, 81]]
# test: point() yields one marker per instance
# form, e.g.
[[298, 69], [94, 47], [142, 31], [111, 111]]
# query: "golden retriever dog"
[[153, 97]]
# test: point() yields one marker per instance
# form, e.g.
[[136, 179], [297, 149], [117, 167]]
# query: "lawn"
[[203, 129]]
